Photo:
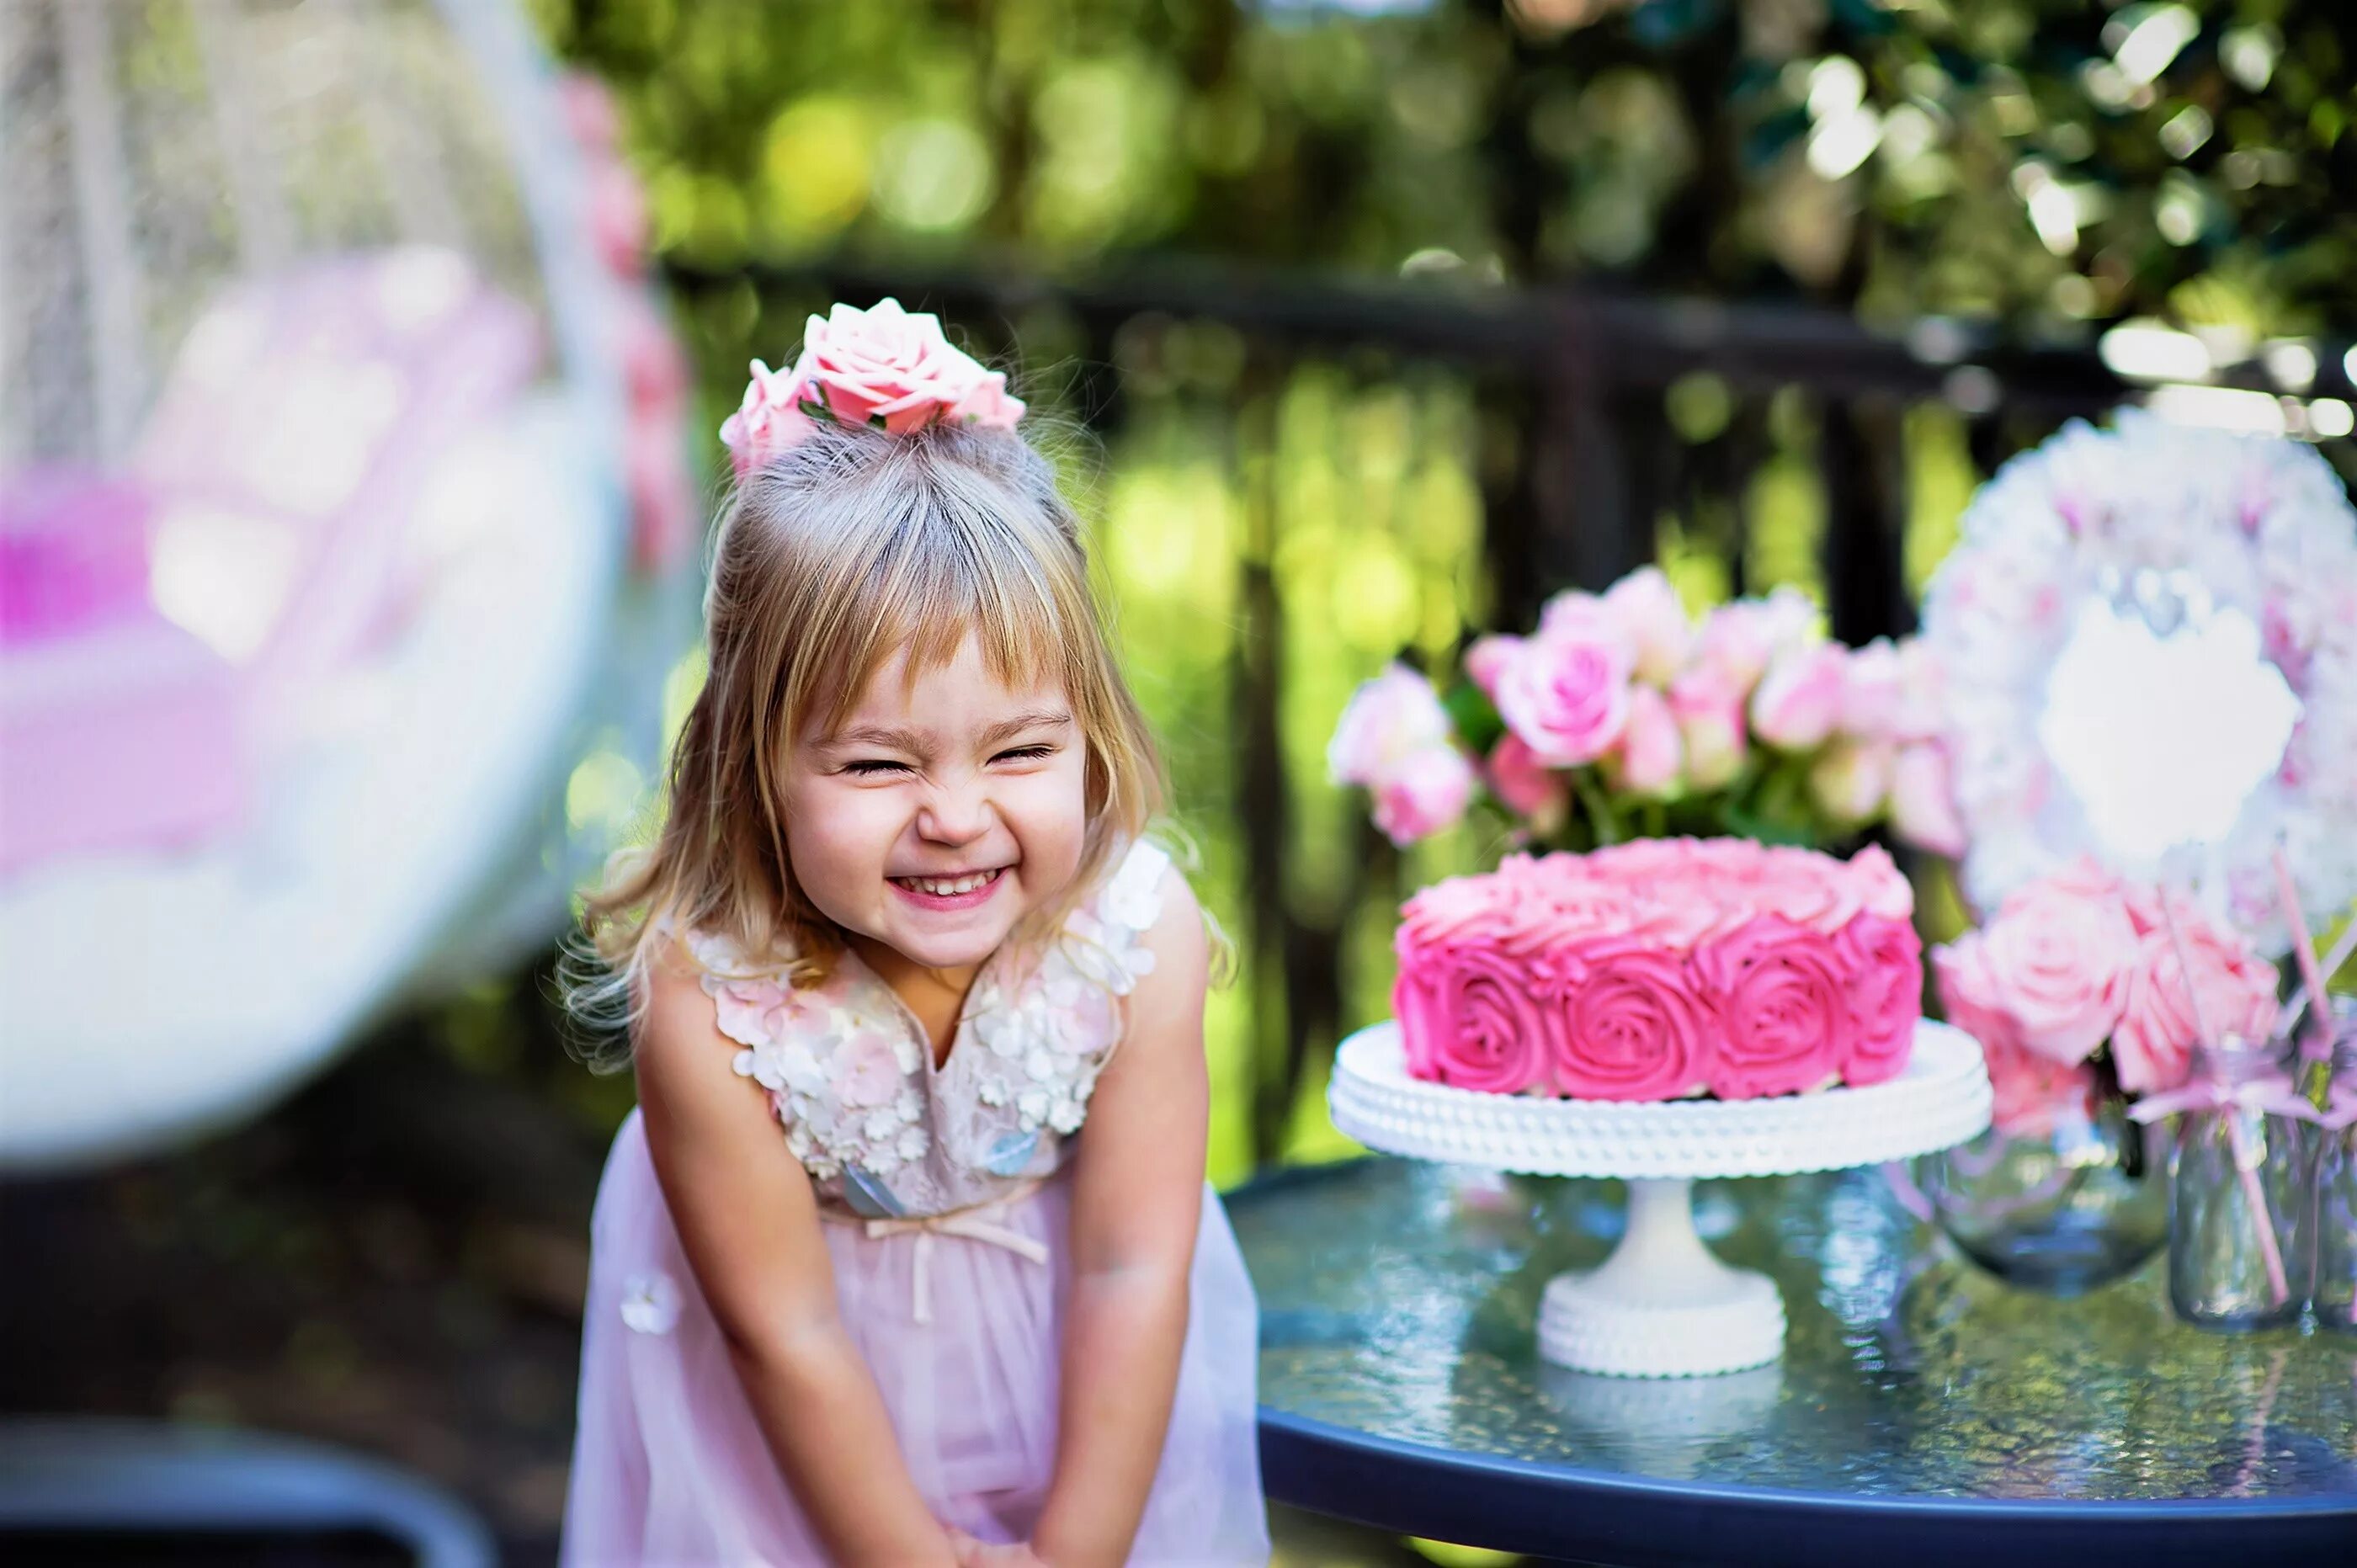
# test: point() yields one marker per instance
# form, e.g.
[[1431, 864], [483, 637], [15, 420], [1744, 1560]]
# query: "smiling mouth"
[[951, 886]]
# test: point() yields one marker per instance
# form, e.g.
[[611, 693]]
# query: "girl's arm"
[[749, 1222], [1137, 1194]]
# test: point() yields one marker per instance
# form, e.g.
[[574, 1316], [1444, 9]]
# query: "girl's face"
[[941, 812]]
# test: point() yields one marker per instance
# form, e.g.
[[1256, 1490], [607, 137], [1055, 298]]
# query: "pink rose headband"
[[887, 367]]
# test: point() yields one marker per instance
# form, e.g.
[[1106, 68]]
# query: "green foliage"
[[2044, 162]]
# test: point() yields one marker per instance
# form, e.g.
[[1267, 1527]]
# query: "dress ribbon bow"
[[970, 1223]]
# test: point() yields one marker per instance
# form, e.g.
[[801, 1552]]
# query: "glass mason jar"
[[2239, 1197], [2333, 1196], [2062, 1205]]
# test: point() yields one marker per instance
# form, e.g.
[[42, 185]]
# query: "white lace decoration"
[[844, 1066], [1045, 1048]]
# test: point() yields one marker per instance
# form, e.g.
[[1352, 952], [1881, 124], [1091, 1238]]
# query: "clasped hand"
[[972, 1553]]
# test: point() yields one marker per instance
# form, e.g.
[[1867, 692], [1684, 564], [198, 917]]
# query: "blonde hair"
[[831, 556]]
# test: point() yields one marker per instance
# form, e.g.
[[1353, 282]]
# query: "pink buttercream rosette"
[[1662, 968], [887, 367]]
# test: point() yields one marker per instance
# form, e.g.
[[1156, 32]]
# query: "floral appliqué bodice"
[[883, 1132]]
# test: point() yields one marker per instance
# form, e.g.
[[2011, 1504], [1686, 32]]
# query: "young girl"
[[861, 1290]]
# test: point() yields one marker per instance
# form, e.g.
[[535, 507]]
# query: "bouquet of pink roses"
[[1623, 716], [2082, 986]]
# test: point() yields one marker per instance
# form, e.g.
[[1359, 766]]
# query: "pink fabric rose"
[[866, 1073], [2233, 991], [1650, 752], [2058, 964], [887, 367], [1522, 784], [1633, 1027], [1798, 701], [759, 1009], [1420, 795], [1783, 1008], [1654, 619], [1388, 720], [1885, 963], [1485, 1027], [1566, 690], [1709, 710], [770, 419], [1923, 801]]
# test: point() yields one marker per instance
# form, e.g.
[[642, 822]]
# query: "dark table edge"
[[1518, 1505]]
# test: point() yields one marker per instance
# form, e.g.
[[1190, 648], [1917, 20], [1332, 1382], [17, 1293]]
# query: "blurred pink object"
[[118, 730], [295, 436]]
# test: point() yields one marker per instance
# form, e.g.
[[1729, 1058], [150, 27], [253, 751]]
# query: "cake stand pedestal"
[[1662, 1305]]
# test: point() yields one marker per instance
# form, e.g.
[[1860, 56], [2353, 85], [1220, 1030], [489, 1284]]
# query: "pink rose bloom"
[[1739, 639], [1483, 1024], [1388, 720], [1798, 701], [2032, 1090], [1873, 691], [2159, 1024], [1650, 752], [1885, 963], [1421, 795], [1522, 783], [1783, 1008], [1566, 691], [1632, 1026], [1654, 620], [1923, 801], [1850, 780], [1486, 659], [866, 1072], [1709, 711], [2058, 964], [1922, 711], [2032, 1093]]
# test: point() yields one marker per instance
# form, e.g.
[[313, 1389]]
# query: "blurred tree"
[[2039, 163]]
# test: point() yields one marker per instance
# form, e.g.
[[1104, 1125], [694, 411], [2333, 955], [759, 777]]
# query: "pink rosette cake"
[[1661, 969]]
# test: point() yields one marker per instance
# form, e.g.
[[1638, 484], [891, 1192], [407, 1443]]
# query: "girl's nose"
[[955, 814]]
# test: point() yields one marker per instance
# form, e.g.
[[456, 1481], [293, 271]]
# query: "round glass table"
[[1922, 1413]]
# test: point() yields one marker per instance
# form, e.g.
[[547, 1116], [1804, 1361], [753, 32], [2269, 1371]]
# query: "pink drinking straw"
[[2245, 1169], [2319, 1045]]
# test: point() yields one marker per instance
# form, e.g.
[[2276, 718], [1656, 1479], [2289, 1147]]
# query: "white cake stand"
[[1662, 1305]]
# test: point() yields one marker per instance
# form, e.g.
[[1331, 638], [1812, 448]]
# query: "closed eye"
[[1027, 753], [868, 769]]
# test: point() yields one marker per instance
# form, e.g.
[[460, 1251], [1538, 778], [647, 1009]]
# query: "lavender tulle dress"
[[948, 1200]]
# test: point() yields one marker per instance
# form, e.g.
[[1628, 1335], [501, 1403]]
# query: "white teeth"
[[940, 888]]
